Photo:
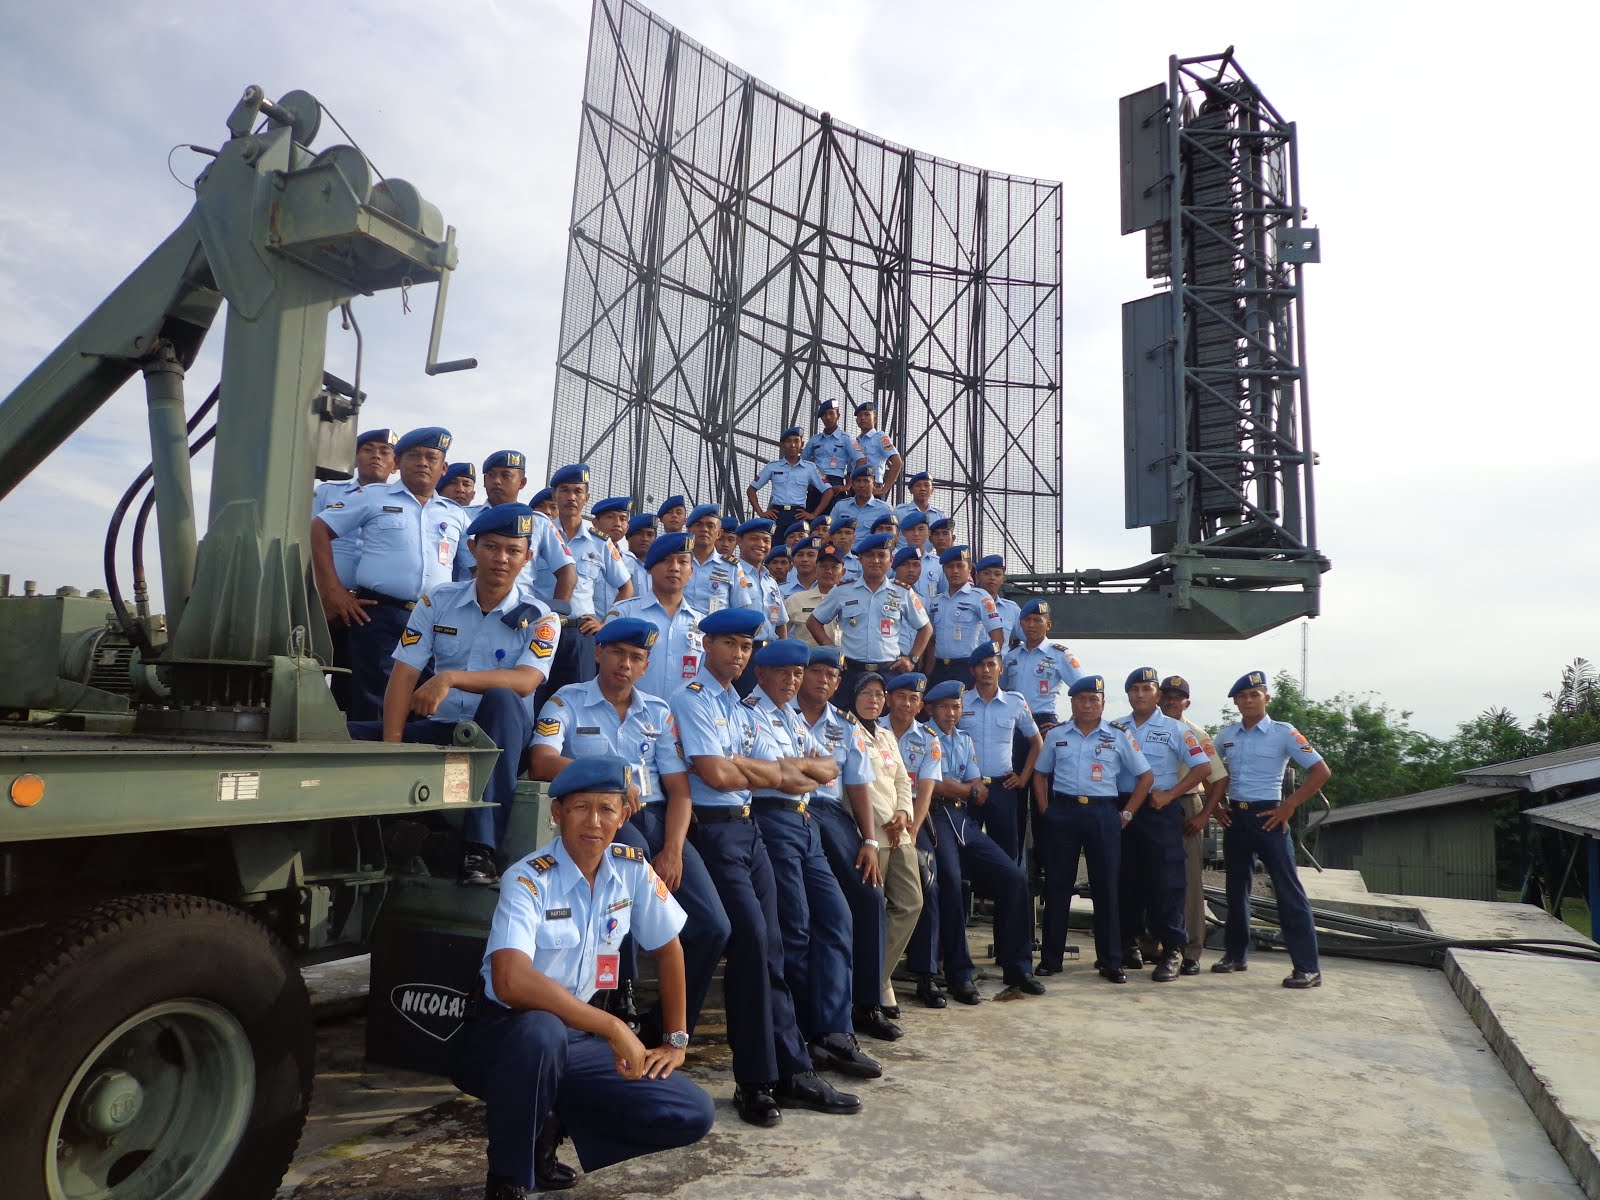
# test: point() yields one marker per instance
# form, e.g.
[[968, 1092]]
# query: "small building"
[[1438, 843]]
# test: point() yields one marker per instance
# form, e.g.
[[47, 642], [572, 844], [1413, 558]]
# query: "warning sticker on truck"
[[238, 785]]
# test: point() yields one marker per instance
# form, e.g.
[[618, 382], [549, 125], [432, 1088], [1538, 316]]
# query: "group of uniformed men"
[[795, 742]]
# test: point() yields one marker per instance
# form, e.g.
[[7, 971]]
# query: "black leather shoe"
[[1304, 979], [928, 992], [498, 1187], [755, 1105], [1025, 983], [1167, 969], [477, 866], [1113, 974], [1191, 966], [1228, 965], [842, 1053], [870, 1020], [810, 1090], [549, 1173], [1047, 969], [1132, 960], [892, 1011], [966, 991]]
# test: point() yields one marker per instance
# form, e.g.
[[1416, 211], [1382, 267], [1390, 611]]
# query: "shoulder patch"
[[410, 637], [557, 700], [547, 728], [632, 853], [543, 863], [337, 504], [695, 687], [748, 702], [533, 888], [425, 601]]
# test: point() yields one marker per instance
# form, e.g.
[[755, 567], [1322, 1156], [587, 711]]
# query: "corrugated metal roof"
[[1580, 816], [1578, 764], [1456, 793]]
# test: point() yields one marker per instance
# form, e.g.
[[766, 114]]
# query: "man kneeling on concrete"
[[532, 1048]]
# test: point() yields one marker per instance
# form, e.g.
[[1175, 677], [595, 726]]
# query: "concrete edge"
[[1580, 1154]]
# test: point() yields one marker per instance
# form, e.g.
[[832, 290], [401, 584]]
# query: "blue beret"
[[667, 543], [985, 650], [955, 554], [1175, 683], [612, 504], [458, 471], [670, 503], [809, 543], [743, 621], [906, 554], [1140, 675], [515, 459], [889, 519], [702, 511], [430, 437], [950, 689], [915, 519], [843, 523], [989, 560], [820, 522], [775, 553], [377, 435], [878, 541], [576, 473], [797, 526], [592, 773], [863, 471], [826, 656], [915, 680], [830, 554], [783, 652], [826, 405], [632, 630], [941, 523], [919, 477], [542, 495], [513, 520], [1254, 679], [640, 523], [867, 406], [793, 431], [1041, 607], [756, 525], [1088, 683]]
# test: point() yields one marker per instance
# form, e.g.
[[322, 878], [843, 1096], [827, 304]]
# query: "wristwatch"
[[678, 1040], [1126, 816]]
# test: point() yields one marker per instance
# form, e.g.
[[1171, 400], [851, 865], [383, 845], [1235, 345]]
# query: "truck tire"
[[157, 1047]]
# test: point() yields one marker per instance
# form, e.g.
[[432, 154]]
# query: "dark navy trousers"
[[503, 716], [371, 649], [1095, 831], [1242, 843], [813, 920], [762, 1033], [705, 929], [526, 1065], [1003, 818], [958, 846], [959, 670], [1155, 876], [869, 921]]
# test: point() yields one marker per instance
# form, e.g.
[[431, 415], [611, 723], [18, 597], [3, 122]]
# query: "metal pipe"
[[174, 489]]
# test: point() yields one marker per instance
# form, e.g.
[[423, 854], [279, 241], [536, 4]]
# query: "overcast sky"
[[1442, 157]]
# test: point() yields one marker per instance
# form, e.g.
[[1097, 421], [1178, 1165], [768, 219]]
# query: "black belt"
[[855, 664], [1066, 799], [1255, 805], [949, 802], [783, 803], [788, 508], [953, 662], [721, 812], [389, 601]]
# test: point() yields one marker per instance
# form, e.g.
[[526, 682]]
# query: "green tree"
[[1574, 717]]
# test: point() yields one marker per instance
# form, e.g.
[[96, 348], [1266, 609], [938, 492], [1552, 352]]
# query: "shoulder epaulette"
[[852, 719], [557, 700], [426, 603], [1122, 725], [694, 687], [543, 863], [632, 853], [523, 615]]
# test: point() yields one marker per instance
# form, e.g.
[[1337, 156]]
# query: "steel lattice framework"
[[736, 257]]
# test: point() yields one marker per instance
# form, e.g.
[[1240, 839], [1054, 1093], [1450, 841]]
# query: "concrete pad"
[[1376, 1085], [1346, 892], [1470, 919]]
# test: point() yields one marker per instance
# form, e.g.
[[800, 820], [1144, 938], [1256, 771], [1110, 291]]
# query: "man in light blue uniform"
[[549, 574], [459, 483], [877, 447], [728, 753], [861, 506], [942, 537], [408, 535], [674, 515], [374, 464], [489, 648], [596, 559], [609, 519], [714, 583], [843, 539], [640, 537], [610, 715], [775, 566], [532, 1048], [960, 848], [766, 597], [803, 567], [914, 532], [992, 718], [963, 619], [1153, 858], [834, 452], [1075, 799], [676, 657], [921, 487], [871, 614], [792, 478], [1038, 669], [815, 921], [1256, 749], [989, 574]]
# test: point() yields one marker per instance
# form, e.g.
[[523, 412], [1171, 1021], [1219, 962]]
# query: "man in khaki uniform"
[[800, 605], [1174, 700]]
